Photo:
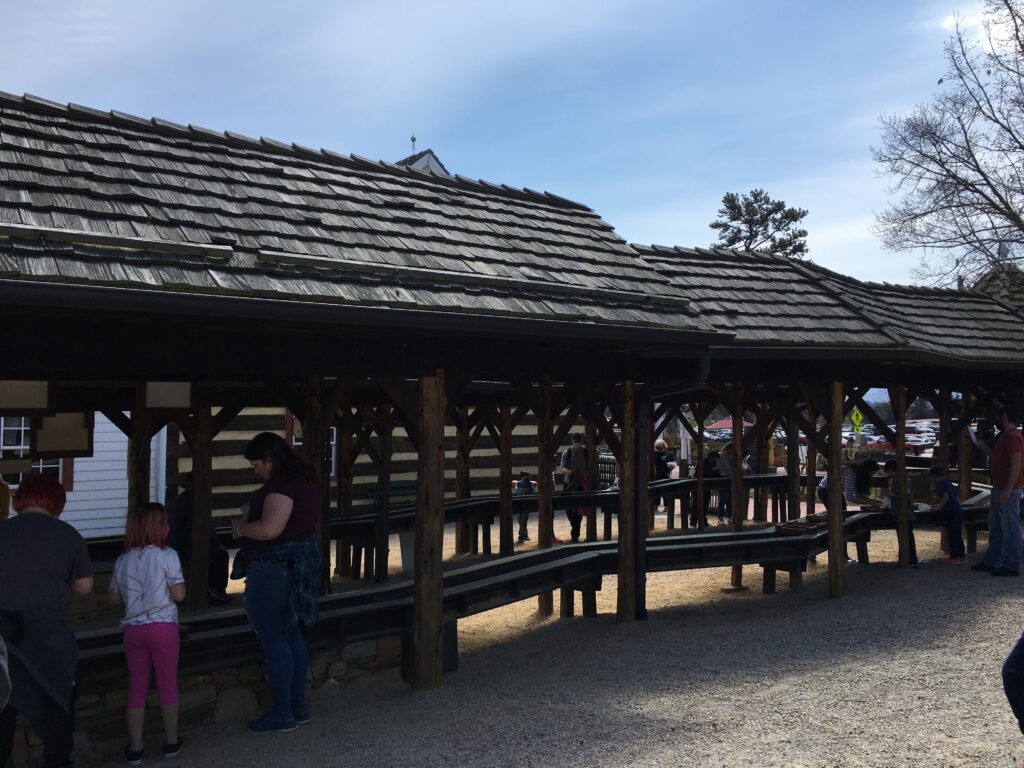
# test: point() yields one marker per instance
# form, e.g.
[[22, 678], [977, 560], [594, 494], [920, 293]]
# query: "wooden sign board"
[[15, 466], [61, 436], [169, 394], [25, 398]]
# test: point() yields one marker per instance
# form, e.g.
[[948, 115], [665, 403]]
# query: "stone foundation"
[[230, 694]]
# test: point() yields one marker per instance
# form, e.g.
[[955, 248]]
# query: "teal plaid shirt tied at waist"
[[304, 556]]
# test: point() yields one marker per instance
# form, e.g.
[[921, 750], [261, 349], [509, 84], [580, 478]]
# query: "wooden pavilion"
[[809, 343], [137, 252]]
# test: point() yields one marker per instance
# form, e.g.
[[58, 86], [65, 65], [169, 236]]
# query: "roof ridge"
[[664, 250], [231, 138], [801, 266]]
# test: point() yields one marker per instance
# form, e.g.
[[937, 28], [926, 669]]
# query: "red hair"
[[146, 525], [39, 490]]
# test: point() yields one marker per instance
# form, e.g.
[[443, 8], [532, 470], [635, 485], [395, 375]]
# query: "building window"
[[14, 444]]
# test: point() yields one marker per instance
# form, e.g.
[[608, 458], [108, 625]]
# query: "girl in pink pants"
[[147, 579]]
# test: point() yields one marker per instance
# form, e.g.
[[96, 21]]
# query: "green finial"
[[413, 140]]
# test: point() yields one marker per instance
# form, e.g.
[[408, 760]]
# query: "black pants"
[[56, 731], [575, 521], [218, 576], [1013, 681]]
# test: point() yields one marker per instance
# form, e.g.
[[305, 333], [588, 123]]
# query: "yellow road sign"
[[856, 418]]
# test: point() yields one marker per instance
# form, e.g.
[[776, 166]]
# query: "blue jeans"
[[267, 590], [1004, 542]]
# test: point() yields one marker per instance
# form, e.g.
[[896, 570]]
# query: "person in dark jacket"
[[43, 561]]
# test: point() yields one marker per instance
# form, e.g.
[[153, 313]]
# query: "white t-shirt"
[[144, 577]]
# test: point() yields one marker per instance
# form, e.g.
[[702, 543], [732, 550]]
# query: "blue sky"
[[648, 111]]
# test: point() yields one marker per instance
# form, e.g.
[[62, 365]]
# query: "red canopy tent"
[[726, 424]]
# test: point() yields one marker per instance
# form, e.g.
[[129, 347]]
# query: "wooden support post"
[[898, 397], [589, 603], [593, 478], [644, 471], [812, 462], [945, 398], [170, 493], [567, 603], [796, 578], [737, 491], [463, 529], [315, 430], [139, 452], [792, 469], [836, 540], [699, 502], [626, 601], [506, 544], [427, 582], [649, 504], [945, 428], [966, 451], [345, 460], [763, 443], [768, 580], [382, 520], [202, 505], [545, 485]]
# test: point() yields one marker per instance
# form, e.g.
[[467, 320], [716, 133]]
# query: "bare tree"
[[957, 162]]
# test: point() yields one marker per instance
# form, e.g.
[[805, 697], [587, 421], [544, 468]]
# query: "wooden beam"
[[642, 524], [627, 588], [403, 395], [202, 504], [463, 529], [836, 540], [545, 485], [346, 458], [139, 452], [645, 464], [898, 398], [427, 581], [739, 496], [966, 460], [506, 544], [596, 414], [792, 470], [119, 420], [874, 418], [812, 456], [224, 417], [700, 413], [593, 477], [382, 519]]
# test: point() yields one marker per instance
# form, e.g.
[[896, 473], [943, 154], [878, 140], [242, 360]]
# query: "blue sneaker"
[[303, 718], [270, 724]]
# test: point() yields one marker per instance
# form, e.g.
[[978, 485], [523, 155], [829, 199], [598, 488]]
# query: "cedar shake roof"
[[764, 300], [965, 324], [777, 301], [109, 199]]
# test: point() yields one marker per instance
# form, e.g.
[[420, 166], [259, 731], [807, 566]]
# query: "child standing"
[[524, 487], [147, 579], [949, 505]]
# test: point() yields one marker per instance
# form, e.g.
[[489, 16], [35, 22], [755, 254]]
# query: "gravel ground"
[[902, 671]]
